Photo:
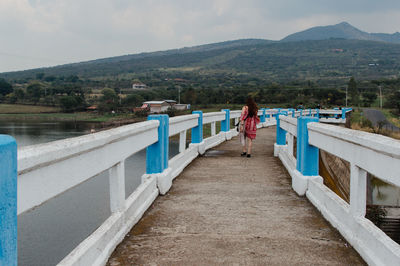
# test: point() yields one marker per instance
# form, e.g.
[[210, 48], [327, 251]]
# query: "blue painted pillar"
[[262, 118], [301, 112], [197, 132], [293, 112], [309, 112], [280, 133], [267, 115], [336, 116], [225, 124], [344, 113], [307, 155], [8, 201], [317, 114], [157, 153]]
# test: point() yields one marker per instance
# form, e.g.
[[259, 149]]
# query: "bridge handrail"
[[376, 154], [46, 163], [289, 124], [366, 153], [178, 124], [214, 117]]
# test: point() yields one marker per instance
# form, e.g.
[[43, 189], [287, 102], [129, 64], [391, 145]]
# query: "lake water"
[[49, 232]]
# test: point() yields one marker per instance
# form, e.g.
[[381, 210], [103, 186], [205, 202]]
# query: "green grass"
[[26, 109], [394, 119]]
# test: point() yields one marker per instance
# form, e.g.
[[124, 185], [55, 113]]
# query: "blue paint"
[[157, 153], [8, 200], [197, 132], [262, 118], [293, 112], [301, 112], [310, 112], [307, 155], [336, 108], [344, 113], [317, 114], [267, 115], [280, 133], [225, 124]]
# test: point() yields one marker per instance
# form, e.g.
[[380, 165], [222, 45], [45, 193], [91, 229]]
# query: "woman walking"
[[248, 125]]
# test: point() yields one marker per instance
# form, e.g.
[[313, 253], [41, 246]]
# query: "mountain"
[[340, 31], [222, 63]]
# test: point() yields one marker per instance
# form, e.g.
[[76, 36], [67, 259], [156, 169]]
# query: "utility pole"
[[346, 95], [179, 94], [380, 95]]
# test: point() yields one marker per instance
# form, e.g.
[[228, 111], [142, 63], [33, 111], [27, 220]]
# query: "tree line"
[[73, 94]]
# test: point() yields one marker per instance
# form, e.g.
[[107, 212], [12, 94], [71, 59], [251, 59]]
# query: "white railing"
[[47, 170], [366, 152]]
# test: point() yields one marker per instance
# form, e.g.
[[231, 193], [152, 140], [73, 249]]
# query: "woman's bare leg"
[[249, 145]]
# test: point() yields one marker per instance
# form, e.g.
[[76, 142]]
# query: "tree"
[[19, 93], [133, 100], [5, 87], [354, 94], [109, 100], [369, 98], [190, 96], [35, 91], [394, 101], [40, 76]]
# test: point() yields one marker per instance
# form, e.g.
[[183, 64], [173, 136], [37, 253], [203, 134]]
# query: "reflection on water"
[[384, 193], [30, 133], [49, 232]]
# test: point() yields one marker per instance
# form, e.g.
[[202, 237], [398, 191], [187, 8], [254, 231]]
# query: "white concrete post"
[[213, 129], [358, 190], [182, 141], [290, 140], [117, 186]]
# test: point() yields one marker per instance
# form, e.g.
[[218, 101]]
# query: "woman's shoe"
[[243, 154], [248, 155]]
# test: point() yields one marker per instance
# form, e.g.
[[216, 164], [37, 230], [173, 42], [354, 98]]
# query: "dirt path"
[[228, 210]]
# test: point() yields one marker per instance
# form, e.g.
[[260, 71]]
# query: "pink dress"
[[250, 125]]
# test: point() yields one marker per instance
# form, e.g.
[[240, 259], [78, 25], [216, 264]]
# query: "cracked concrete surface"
[[228, 210]]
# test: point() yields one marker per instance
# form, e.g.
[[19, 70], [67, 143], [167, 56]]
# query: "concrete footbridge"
[[216, 207]]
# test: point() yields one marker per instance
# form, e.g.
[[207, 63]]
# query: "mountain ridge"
[[343, 30]]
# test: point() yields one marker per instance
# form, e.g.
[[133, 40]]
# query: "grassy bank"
[[359, 122], [27, 109]]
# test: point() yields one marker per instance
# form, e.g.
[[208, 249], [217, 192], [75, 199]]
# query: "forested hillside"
[[321, 60]]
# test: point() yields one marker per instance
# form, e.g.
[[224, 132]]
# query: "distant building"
[[139, 86], [157, 106], [161, 106]]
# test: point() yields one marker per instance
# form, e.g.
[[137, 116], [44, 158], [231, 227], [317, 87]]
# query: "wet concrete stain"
[[226, 209]]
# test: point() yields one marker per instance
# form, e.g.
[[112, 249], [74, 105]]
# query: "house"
[[92, 108], [139, 86], [157, 106], [160, 106]]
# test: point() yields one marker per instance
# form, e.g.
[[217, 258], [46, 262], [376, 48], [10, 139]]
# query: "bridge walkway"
[[226, 209]]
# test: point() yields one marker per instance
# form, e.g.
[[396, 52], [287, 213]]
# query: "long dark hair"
[[253, 109]]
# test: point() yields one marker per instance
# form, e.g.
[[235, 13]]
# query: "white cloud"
[[48, 32]]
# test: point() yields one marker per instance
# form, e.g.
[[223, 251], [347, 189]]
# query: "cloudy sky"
[[39, 33]]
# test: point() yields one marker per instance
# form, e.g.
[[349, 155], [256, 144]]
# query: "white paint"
[[366, 152], [64, 164], [358, 188], [182, 141], [178, 124], [117, 187]]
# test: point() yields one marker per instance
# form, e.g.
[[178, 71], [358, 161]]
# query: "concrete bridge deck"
[[226, 209]]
